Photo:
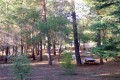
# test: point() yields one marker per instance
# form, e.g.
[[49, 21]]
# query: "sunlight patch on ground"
[[105, 74], [6, 78], [39, 63]]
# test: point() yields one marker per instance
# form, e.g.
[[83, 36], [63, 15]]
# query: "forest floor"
[[42, 71]]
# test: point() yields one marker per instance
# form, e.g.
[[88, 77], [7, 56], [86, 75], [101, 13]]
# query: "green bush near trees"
[[66, 64], [21, 67]]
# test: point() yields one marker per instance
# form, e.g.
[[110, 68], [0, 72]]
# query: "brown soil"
[[42, 71]]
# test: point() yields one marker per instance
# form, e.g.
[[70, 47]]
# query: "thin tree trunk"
[[99, 38], [33, 52], [22, 46], [13, 49], [37, 49], [6, 57], [48, 49], [79, 44], [41, 50], [60, 51], [43, 11], [48, 38], [84, 48], [16, 50], [54, 47]]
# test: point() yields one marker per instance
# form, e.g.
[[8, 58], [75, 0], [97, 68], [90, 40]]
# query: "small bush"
[[21, 67], [67, 64]]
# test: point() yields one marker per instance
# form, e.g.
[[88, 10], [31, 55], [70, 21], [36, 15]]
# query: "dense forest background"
[[34, 27]]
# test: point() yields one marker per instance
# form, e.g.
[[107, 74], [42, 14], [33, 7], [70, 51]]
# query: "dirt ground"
[[42, 71]]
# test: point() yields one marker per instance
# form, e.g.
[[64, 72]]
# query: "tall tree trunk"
[[40, 50], [13, 49], [16, 50], [6, 56], [48, 50], [43, 11], [99, 44], [80, 48], [76, 44], [21, 45], [99, 38], [54, 47], [84, 48], [48, 38], [37, 49], [60, 51], [33, 52], [101, 60]]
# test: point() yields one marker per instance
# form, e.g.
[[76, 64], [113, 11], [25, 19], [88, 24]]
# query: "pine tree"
[[21, 67], [108, 25]]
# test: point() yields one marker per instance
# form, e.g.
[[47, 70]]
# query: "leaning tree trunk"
[[76, 44], [75, 34]]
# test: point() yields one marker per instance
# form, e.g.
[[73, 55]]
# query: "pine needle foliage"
[[21, 67], [67, 64]]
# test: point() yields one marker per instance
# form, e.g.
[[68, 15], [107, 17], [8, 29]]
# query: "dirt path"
[[42, 71]]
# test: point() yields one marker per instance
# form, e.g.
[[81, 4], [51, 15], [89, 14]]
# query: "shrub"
[[21, 67], [67, 64]]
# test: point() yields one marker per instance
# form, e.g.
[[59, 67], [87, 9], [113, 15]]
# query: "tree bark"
[[43, 10], [48, 50], [54, 47], [37, 48], [99, 38], [99, 44], [75, 34], [33, 52], [60, 51], [16, 50], [76, 44], [22, 47], [47, 34], [41, 50], [13, 49], [101, 60], [6, 57]]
